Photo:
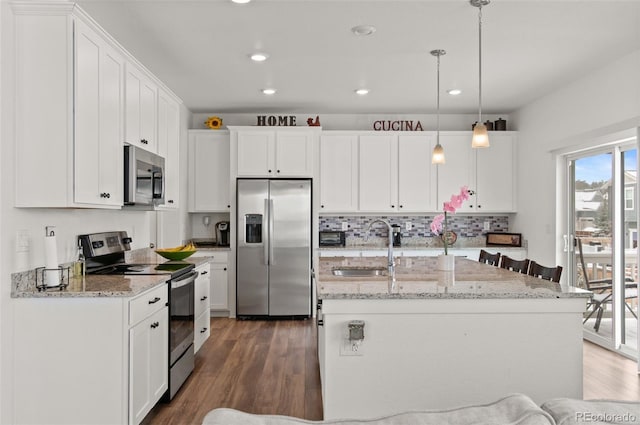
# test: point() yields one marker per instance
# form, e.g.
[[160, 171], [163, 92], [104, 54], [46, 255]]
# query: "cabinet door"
[[293, 154], [219, 287], [416, 175], [378, 171], [98, 121], [338, 173], [495, 183], [202, 290], [256, 153], [209, 171], [141, 112], [169, 146], [148, 364], [458, 170]]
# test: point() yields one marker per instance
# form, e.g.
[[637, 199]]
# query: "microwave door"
[[144, 183], [157, 188]]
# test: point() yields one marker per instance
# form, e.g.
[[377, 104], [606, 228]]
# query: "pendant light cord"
[[438, 104], [480, 63]]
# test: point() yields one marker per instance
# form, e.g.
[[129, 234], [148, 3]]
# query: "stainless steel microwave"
[[143, 178]]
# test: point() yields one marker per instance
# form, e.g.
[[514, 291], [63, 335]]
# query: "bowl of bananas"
[[177, 253]]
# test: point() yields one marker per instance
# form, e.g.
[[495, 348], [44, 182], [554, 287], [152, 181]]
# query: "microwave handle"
[[155, 181]]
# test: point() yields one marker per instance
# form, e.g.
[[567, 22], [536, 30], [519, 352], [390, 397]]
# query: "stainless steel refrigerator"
[[273, 276]]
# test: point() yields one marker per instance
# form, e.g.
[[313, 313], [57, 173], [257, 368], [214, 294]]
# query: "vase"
[[446, 262]]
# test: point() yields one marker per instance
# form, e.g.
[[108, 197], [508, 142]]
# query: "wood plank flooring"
[[271, 367]]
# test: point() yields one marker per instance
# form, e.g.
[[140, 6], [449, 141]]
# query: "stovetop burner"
[[172, 268]]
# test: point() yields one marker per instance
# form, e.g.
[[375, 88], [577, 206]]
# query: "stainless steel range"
[[105, 254]]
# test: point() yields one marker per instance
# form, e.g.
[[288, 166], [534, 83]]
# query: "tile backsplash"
[[466, 227]]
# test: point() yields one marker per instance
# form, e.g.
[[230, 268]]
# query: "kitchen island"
[[437, 339]]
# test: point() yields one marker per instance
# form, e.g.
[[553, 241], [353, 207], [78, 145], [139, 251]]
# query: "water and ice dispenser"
[[253, 228]]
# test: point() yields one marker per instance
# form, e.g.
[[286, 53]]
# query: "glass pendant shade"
[[438, 154], [480, 136]]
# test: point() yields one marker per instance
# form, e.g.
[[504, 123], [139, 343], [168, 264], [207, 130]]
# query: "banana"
[[188, 247]]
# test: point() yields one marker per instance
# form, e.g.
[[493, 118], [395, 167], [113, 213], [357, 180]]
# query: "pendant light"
[[438, 152], [480, 136]]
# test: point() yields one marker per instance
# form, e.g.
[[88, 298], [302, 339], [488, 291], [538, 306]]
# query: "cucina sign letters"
[[399, 125]]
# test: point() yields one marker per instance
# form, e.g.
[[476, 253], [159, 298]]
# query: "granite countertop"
[[417, 278], [420, 247], [24, 284]]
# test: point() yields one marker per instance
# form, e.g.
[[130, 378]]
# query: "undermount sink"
[[359, 271]]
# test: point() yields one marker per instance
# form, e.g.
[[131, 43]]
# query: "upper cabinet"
[[376, 172], [269, 152], [142, 109], [169, 146], [488, 172], [209, 171], [79, 96], [338, 172]]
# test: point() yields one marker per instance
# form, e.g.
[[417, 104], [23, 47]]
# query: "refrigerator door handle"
[[272, 259], [265, 240]]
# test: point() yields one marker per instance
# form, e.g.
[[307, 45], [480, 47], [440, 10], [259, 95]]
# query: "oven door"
[[181, 315]]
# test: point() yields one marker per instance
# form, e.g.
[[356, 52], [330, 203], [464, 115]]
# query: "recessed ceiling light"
[[363, 29], [241, 1], [269, 91], [454, 92], [259, 57], [362, 92]]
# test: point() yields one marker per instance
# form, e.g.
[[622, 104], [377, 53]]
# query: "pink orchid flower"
[[436, 224], [448, 207], [464, 193], [456, 201]]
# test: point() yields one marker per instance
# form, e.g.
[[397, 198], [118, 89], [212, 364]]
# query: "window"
[[628, 198]]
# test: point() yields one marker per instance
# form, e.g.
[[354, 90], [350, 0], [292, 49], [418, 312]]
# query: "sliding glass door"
[[602, 242]]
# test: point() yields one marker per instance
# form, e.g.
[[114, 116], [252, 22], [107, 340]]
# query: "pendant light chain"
[[438, 103], [438, 152]]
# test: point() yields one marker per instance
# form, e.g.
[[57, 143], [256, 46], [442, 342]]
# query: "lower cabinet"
[[202, 313], [218, 281], [89, 360]]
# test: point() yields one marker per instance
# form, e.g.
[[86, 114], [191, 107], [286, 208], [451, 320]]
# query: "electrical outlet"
[[351, 348], [407, 226], [22, 241], [345, 226], [487, 225]]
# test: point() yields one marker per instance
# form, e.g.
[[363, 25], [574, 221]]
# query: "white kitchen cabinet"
[[378, 173], [338, 173], [74, 91], [219, 279], [395, 172], [274, 153], [141, 109], [416, 175], [488, 172], [148, 360], [209, 179], [169, 146], [202, 313], [107, 354], [219, 283], [99, 89]]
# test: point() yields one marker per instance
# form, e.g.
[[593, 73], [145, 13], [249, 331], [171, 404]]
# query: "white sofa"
[[515, 409]]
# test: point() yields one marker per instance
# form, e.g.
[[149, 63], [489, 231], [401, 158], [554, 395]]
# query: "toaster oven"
[[331, 238]]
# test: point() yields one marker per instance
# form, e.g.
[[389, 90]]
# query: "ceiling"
[[200, 49]]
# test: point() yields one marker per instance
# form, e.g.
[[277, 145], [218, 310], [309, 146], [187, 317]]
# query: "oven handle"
[[191, 277]]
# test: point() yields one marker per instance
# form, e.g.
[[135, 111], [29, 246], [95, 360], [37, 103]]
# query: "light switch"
[[407, 226], [487, 225], [22, 241], [345, 226]]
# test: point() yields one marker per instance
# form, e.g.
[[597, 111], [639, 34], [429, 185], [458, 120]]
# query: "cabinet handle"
[[203, 272], [155, 300], [108, 195], [203, 330], [320, 322], [321, 206], [393, 206], [400, 206], [479, 206], [144, 141], [155, 325], [203, 298], [471, 192], [170, 201], [277, 171], [228, 206], [225, 269], [269, 171]]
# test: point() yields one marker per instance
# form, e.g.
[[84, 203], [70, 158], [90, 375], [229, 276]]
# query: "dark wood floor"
[[271, 367]]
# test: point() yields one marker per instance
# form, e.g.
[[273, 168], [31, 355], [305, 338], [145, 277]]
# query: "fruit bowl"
[[178, 253]]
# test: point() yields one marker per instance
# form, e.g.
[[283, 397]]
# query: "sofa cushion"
[[568, 411], [516, 409]]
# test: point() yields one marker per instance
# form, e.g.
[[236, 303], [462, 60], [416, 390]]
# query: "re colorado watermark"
[[615, 418]]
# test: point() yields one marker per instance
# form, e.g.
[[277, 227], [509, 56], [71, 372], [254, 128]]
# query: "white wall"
[[603, 102]]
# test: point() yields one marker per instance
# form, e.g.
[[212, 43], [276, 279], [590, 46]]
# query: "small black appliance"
[[222, 233], [397, 236]]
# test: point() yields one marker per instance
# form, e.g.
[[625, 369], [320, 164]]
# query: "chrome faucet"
[[391, 264]]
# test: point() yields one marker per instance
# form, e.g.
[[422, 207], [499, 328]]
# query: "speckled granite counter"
[[417, 277], [24, 284]]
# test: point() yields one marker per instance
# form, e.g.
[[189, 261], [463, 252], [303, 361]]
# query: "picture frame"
[[504, 239]]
